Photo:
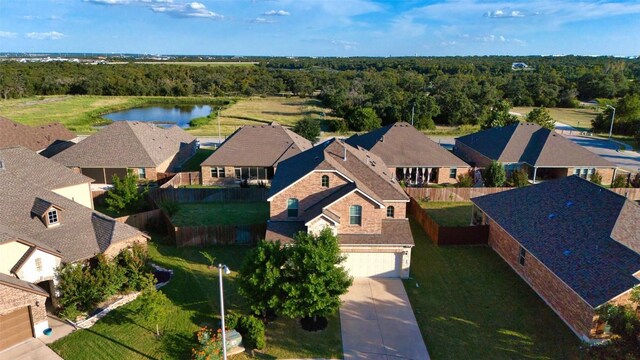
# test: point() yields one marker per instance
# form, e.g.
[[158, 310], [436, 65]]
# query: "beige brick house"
[[575, 243], [41, 228], [252, 154], [411, 155], [543, 153], [126, 146], [352, 192]]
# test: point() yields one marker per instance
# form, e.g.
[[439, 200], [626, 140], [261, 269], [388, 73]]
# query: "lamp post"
[[223, 268], [613, 115]]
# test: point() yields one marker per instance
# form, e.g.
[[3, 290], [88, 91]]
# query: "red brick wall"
[[469, 155], [372, 215], [607, 174], [115, 248], [566, 303], [229, 176], [308, 191], [12, 299]]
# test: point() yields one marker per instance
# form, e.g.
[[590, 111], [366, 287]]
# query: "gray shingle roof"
[[34, 138], [369, 173], [530, 143], [28, 165], [129, 144], [261, 145], [588, 236], [14, 282], [401, 145], [82, 232]]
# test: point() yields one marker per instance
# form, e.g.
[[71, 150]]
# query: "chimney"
[[344, 156]]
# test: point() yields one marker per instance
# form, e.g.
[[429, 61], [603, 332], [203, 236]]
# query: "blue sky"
[[322, 27]]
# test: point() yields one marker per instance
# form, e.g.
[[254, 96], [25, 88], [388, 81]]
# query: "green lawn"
[[224, 213], [123, 334], [449, 213], [193, 164], [471, 305], [579, 118]]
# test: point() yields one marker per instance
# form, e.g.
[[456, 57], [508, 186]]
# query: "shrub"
[[209, 345], [77, 290], [108, 277], [125, 195], [134, 262], [200, 121], [619, 182], [231, 320], [635, 181], [252, 331], [596, 178], [519, 178], [338, 125], [465, 180], [494, 175]]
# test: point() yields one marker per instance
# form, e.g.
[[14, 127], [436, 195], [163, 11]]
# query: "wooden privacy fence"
[[182, 179], [143, 220], [218, 234], [629, 193], [448, 235], [452, 193], [183, 195]]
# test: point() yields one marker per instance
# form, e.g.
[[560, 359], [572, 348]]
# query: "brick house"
[[543, 153], [352, 192], [252, 154], [411, 155], [575, 243], [40, 229], [46, 139], [126, 146]]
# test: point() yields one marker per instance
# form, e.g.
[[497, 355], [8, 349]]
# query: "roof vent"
[[344, 156], [2, 165], [566, 252], [382, 138], [552, 216], [569, 203]]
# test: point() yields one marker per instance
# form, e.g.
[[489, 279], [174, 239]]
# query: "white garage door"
[[373, 264]]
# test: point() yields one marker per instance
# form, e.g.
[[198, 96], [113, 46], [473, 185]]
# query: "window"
[[390, 211], [52, 216], [217, 172], [453, 173], [262, 173], [521, 257], [142, 173], [292, 208], [38, 264], [355, 215], [238, 172], [325, 181]]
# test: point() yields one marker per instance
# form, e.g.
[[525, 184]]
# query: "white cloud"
[[261, 20], [7, 34], [506, 13], [498, 39], [126, 2], [347, 45], [51, 35], [188, 10], [277, 13]]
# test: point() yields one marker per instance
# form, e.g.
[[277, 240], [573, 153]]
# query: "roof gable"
[[582, 232], [33, 138]]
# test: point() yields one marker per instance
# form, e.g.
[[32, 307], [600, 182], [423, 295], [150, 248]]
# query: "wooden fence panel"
[[183, 195], [629, 193], [219, 235], [142, 220], [181, 179], [466, 194]]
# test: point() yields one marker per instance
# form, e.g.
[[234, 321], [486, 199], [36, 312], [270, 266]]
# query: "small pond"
[[163, 114]]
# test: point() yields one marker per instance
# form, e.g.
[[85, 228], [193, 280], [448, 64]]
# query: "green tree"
[[308, 128], [425, 110], [541, 117], [154, 306], [465, 180], [499, 116], [108, 277], [260, 277], [364, 119], [519, 178], [494, 175], [77, 290], [314, 279], [125, 195], [620, 181]]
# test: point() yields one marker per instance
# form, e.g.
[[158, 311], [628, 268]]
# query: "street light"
[[613, 115], [223, 269]]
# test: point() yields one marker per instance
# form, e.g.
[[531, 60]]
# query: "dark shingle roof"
[[369, 173], [530, 143], [9, 280], [126, 144], [263, 145], [394, 232], [34, 138], [82, 232], [37, 169], [588, 236], [401, 145]]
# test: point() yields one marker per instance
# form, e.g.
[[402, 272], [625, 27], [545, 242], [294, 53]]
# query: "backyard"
[[193, 291], [448, 213], [221, 213], [471, 305]]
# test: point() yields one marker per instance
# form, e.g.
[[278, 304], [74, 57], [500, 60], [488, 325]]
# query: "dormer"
[[47, 212]]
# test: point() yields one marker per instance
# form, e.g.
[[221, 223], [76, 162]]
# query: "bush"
[[134, 261], [519, 178], [200, 121], [125, 195], [494, 175], [338, 125], [78, 292], [465, 180], [635, 181], [619, 182], [209, 345], [108, 277], [231, 320], [252, 331], [596, 178]]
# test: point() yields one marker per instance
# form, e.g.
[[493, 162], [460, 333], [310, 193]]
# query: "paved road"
[[378, 322]]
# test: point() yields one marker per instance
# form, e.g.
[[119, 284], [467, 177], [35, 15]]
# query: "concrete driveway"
[[32, 349], [378, 322]]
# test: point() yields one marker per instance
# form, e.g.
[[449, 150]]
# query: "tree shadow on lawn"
[[177, 345], [124, 315], [120, 344]]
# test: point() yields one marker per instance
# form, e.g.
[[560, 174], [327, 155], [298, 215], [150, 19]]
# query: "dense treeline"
[[451, 91]]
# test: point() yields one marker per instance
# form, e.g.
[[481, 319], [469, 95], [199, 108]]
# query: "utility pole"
[[219, 137], [413, 108], [613, 115]]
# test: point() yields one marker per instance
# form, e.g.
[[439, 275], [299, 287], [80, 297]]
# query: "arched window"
[[325, 181], [355, 215], [292, 208], [390, 211]]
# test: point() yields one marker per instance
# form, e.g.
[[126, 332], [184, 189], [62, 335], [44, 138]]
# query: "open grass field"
[[193, 291], [579, 118], [224, 213], [471, 305], [448, 213]]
